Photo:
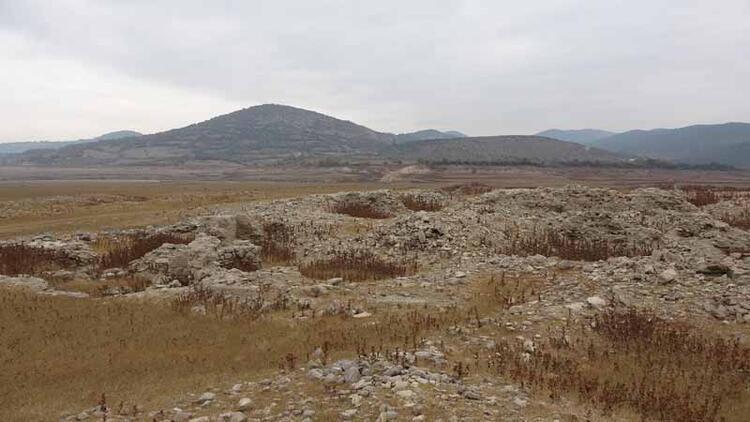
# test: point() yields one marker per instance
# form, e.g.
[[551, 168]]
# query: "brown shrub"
[[119, 253], [356, 266], [550, 242]]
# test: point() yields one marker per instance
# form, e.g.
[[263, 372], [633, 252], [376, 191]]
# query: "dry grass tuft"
[[549, 242], [740, 220], [221, 307], [356, 266], [277, 243], [360, 209], [240, 263], [701, 195], [422, 203], [121, 252], [101, 288], [468, 189], [17, 259]]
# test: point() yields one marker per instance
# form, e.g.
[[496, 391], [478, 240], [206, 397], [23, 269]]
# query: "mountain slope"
[[19, 147], [427, 134], [581, 136], [727, 143], [264, 133], [505, 149]]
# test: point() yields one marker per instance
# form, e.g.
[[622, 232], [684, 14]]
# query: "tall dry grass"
[[416, 202], [17, 259], [356, 266], [633, 361], [551, 242], [360, 209], [118, 253]]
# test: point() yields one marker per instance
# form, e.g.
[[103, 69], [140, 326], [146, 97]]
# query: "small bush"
[[118, 254], [356, 266]]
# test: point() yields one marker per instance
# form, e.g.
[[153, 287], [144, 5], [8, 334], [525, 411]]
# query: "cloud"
[[484, 67]]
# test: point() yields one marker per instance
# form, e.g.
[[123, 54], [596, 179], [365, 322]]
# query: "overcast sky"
[[79, 68]]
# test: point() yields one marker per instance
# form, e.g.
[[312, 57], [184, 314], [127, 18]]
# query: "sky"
[[73, 69]]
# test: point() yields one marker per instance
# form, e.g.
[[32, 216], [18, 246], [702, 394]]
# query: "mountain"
[[120, 134], [581, 136], [19, 147], [261, 134], [727, 144], [427, 134], [505, 150]]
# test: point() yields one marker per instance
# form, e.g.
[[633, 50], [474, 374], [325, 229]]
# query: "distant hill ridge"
[[256, 135], [581, 136], [726, 144], [506, 150], [428, 134], [272, 133], [19, 147]]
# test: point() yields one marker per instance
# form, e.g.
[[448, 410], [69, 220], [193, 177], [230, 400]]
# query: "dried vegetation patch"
[[551, 242], [356, 266], [468, 189], [118, 253], [277, 243], [416, 202], [633, 361], [17, 259], [101, 288], [359, 209]]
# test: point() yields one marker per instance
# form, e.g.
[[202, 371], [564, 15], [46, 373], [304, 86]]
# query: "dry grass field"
[[68, 206], [62, 354]]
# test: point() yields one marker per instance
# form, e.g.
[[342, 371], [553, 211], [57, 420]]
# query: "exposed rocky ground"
[[578, 251]]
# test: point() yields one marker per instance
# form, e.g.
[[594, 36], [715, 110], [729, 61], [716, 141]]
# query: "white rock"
[[575, 306], [669, 275], [244, 404], [233, 417], [206, 397], [596, 302], [348, 414]]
